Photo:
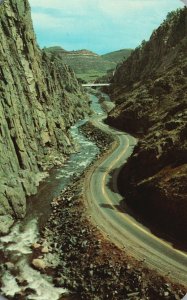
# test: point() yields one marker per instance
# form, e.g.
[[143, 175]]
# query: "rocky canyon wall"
[[150, 91], [39, 100]]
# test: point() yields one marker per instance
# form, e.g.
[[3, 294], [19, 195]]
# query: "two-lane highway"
[[103, 199]]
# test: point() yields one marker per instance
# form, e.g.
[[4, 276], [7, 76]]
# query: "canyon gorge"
[[70, 149]]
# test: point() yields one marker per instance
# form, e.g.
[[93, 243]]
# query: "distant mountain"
[[88, 65], [60, 50], [117, 56]]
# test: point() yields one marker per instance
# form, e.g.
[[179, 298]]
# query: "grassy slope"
[[87, 65], [117, 56]]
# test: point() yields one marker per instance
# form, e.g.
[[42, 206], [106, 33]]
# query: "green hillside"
[[88, 65], [117, 56]]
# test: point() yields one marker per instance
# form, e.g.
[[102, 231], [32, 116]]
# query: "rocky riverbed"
[[84, 261], [17, 278]]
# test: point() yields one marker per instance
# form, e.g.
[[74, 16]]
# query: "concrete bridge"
[[95, 84]]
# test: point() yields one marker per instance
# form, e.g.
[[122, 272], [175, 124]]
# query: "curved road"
[[121, 228]]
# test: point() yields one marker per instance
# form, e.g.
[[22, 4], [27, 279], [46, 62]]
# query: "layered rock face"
[[39, 100], [150, 90]]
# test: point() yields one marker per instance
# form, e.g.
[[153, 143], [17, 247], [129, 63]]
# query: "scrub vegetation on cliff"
[[150, 91]]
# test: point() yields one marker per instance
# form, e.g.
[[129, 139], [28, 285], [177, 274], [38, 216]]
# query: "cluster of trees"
[[173, 14]]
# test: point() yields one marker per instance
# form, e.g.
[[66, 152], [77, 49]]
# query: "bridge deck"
[[95, 84]]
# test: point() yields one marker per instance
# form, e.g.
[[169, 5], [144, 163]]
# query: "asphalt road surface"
[[121, 228]]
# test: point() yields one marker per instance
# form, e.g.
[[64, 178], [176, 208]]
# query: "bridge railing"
[[95, 84]]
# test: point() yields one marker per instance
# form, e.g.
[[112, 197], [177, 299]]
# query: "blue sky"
[[98, 25]]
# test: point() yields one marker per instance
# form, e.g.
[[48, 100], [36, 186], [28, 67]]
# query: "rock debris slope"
[[150, 90], [39, 100]]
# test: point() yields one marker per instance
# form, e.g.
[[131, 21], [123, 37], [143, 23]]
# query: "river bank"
[[90, 266], [18, 280], [73, 255]]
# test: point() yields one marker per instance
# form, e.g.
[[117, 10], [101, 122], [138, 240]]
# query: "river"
[[16, 247]]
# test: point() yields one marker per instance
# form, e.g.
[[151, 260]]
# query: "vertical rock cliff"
[[39, 100], [150, 90]]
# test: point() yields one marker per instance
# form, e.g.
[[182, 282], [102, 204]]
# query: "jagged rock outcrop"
[[39, 100], [150, 90]]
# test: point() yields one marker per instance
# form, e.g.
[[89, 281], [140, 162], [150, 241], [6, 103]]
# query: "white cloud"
[[122, 6], [45, 21], [119, 8], [113, 9], [85, 21], [64, 5], [67, 24], [185, 2], [112, 6]]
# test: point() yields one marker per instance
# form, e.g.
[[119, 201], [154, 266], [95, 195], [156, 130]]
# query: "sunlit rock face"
[[40, 100], [150, 90]]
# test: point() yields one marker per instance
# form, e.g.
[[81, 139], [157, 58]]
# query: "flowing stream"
[[16, 247]]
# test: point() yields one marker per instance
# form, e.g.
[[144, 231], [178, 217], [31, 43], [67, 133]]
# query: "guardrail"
[[95, 84]]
